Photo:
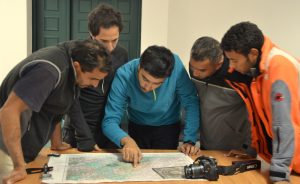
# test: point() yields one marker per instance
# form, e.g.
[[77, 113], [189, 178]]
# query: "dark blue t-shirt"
[[35, 85]]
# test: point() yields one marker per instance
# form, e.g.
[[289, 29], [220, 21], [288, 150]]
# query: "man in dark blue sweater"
[[105, 25]]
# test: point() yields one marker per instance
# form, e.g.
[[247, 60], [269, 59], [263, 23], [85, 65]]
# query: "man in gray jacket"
[[224, 124]]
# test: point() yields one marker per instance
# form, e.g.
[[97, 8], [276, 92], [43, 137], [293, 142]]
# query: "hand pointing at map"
[[131, 152]]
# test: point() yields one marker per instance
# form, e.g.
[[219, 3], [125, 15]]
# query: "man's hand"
[[131, 152], [96, 148], [17, 174], [239, 154], [60, 147], [56, 139], [189, 149], [282, 182]]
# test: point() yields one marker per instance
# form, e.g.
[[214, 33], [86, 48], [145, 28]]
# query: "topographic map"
[[109, 167]]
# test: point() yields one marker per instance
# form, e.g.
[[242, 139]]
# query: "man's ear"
[[91, 36], [253, 55], [220, 63], [77, 66]]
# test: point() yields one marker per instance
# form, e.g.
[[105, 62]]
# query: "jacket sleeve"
[[284, 100], [114, 110], [83, 135], [247, 148], [187, 94]]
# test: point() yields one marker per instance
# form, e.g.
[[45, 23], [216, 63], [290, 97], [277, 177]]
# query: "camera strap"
[[239, 167]]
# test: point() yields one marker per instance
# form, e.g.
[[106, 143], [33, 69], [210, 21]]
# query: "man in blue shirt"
[[152, 89]]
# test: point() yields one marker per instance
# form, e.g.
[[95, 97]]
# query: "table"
[[255, 177]]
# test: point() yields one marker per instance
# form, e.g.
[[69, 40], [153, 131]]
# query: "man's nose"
[[110, 46], [95, 84], [196, 73], [148, 87], [231, 65]]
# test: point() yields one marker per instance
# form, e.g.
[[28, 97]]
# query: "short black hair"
[[91, 54], [104, 16], [206, 48], [242, 37], [158, 61]]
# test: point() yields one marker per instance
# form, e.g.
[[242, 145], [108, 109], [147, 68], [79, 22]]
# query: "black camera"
[[204, 167]]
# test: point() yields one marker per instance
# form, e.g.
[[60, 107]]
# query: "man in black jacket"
[[224, 124], [38, 91], [105, 25]]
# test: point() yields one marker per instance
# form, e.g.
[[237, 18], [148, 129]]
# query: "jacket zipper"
[[278, 138]]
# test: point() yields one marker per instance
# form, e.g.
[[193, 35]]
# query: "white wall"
[[175, 24], [15, 39], [191, 19], [154, 23]]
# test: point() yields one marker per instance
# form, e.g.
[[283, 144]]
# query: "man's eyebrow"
[[145, 78], [158, 82], [151, 81], [109, 39], [199, 69], [95, 78]]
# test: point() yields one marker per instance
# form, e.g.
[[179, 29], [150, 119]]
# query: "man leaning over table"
[[152, 89]]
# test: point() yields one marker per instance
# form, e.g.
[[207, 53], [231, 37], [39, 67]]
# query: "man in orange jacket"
[[273, 96]]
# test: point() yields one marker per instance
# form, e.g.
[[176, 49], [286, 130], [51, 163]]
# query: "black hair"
[[242, 37], [206, 48], [158, 61], [104, 16], [91, 54]]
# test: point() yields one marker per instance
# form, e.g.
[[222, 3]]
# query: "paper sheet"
[[109, 167]]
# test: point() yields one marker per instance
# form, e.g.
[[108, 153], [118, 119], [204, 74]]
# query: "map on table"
[[109, 167]]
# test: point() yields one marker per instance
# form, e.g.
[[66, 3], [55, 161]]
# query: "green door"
[[50, 22], [55, 21]]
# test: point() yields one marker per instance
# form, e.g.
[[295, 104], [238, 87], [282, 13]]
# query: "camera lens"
[[188, 171], [193, 171]]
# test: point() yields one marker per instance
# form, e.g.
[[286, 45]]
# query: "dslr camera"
[[204, 167]]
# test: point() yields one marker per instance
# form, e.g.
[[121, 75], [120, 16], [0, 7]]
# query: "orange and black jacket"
[[273, 104]]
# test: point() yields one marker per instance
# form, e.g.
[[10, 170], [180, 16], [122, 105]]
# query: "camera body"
[[204, 167]]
